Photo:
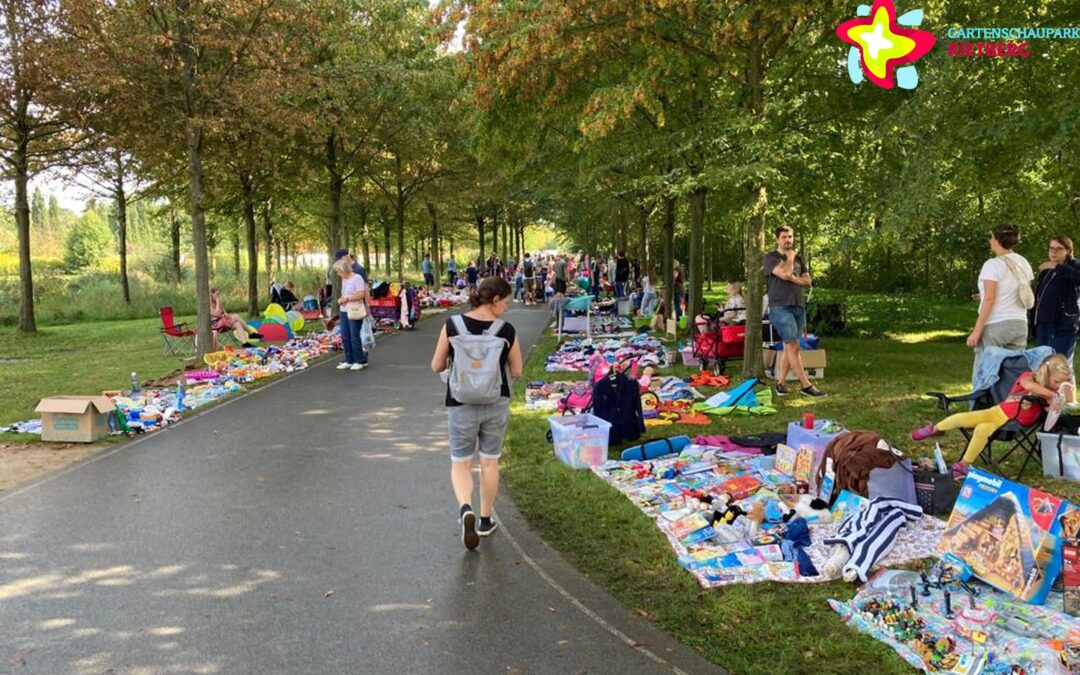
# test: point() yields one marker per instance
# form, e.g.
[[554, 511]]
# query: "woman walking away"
[[1057, 297], [480, 356], [352, 307], [1044, 383], [1005, 296]]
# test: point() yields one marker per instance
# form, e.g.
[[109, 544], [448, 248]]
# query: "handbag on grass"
[[935, 492], [356, 311]]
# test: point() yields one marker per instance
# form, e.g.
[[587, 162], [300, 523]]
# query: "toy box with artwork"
[[1007, 533], [740, 487], [1070, 558]]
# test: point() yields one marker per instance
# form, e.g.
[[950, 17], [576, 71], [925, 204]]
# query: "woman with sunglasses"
[[1057, 299]]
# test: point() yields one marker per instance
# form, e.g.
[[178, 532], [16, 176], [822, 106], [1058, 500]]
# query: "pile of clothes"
[[445, 298], [574, 355]]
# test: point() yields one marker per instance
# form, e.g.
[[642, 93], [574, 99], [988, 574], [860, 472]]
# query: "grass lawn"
[[872, 383], [84, 358]]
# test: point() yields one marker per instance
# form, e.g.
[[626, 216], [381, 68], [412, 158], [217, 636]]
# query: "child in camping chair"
[[1045, 382]]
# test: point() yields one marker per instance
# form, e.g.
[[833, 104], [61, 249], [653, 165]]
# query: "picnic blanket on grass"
[[1017, 633], [714, 563]]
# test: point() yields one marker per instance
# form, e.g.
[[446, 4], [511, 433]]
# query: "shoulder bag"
[[1027, 296], [356, 311]]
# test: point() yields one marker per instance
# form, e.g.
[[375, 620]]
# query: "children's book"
[[804, 463], [687, 525], [785, 459]]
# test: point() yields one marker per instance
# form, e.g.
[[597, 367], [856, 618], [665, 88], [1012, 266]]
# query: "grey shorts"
[[477, 425]]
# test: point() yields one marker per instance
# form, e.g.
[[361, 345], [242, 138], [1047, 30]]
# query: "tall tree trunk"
[[20, 164], [236, 251], [697, 249], [753, 361], [436, 257], [643, 232], [174, 235], [268, 253], [198, 235], [121, 227], [277, 250], [252, 244], [335, 185], [365, 238], [505, 250], [386, 223], [480, 233], [494, 232], [399, 217], [194, 135], [669, 257]]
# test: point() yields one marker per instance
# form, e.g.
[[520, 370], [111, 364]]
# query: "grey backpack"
[[476, 373]]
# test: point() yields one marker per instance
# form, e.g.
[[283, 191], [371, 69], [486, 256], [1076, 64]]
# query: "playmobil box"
[[1070, 558], [1007, 533], [1070, 575]]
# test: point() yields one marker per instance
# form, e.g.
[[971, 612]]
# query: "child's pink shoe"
[[923, 433], [960, 470]]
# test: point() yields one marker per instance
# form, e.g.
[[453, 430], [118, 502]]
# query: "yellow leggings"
[[983, 423]]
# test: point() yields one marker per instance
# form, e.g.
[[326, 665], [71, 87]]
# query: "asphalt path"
[[307, 527]]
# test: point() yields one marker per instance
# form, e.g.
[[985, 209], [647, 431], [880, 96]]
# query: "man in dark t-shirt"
[[786, 274], [622, 274]]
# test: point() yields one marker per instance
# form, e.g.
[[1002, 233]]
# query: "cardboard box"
[[1070, 575], [74, 419], [1008, 534], [814, 363]]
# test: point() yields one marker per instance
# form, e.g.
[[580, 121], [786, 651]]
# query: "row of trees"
[[661, 127], [326, 121], [717, 121]]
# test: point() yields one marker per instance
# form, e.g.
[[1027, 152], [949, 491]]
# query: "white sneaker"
[[344, 365], [358, 366]]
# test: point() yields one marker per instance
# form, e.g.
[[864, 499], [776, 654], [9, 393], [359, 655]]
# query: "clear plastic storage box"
[[580, 440]]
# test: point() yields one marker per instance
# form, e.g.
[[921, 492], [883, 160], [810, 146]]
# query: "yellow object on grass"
[[275, 313]]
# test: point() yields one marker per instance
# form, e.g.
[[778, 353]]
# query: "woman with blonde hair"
[[352, 312]]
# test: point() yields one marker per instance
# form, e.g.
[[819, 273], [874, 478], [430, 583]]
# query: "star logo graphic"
[[881, 45]]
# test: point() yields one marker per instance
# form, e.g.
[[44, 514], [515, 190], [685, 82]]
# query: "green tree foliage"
[[37, 210], [87, 242]]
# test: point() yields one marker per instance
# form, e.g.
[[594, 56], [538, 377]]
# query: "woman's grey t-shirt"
[[781, 291]]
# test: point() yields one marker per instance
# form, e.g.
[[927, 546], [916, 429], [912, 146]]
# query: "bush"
[[86, 242]]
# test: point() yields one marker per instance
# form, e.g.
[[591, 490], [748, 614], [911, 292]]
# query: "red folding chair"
[[176, 338]]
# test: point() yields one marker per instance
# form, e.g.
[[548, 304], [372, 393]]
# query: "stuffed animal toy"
[[727, 516], [756, 518]]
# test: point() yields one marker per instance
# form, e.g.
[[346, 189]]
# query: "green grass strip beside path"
[[759, 628]]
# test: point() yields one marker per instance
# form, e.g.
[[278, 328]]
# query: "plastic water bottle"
[[135, 383], [180, 396]]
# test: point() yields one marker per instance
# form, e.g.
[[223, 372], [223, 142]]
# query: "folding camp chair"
[[1011, 434], [176, 338]]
